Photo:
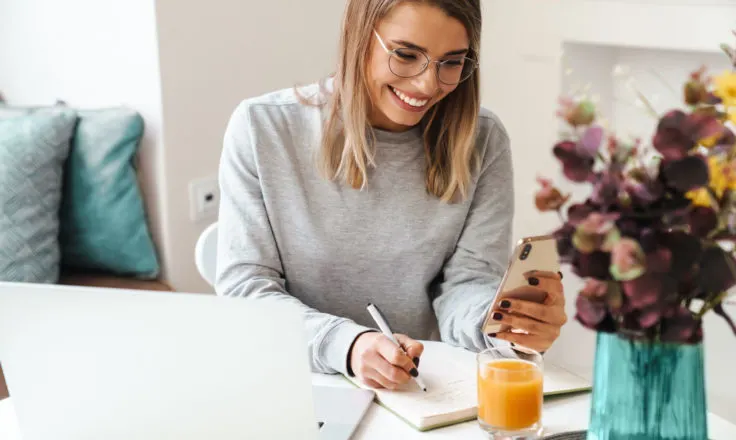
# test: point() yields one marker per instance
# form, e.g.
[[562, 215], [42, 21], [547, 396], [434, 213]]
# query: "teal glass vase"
[[647, 391]]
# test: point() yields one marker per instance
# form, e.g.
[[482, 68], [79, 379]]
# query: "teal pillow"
[[103, 221], [33, 148]]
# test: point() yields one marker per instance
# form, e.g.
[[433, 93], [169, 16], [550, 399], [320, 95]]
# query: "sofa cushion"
[[103, 219], [33, 149]]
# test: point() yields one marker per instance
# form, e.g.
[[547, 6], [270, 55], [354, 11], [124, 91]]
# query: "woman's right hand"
[[379, 363]]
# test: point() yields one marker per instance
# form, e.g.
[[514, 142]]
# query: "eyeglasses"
[[408, 62]]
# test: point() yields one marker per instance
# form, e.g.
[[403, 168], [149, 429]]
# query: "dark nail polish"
[[534, 281], [493, 335], [497, 316], [414, 372], [416, 362], [505, 304], [560, 274]]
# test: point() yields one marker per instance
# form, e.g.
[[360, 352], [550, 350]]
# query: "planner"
[[450, 375]]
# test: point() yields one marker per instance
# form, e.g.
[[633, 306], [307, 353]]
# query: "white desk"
[[562, 414]]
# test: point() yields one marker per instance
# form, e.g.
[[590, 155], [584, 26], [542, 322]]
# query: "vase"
[[647, 391]]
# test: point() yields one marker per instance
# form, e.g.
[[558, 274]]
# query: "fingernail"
[[534, 281], [414, 372], [493, 335], [505, 304], [416, 362], [497, 316], [560, 273]]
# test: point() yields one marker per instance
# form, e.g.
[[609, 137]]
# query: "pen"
[[386, 330]]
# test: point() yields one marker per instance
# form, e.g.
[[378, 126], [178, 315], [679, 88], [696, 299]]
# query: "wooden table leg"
[[3, 387]]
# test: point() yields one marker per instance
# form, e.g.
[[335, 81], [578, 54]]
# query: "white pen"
[[386, 330]]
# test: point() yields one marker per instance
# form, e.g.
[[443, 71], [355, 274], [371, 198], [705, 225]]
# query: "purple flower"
[[592, 265], [565, 248], [642, 188], [628, 260], [592, 139], [593, 303], [590, 313], [643, 291], [678, 132], [578, 212], [716, 270], [659, 261], [577, 164], [596, 232], [686, 174], [685, 252], [702, 220], [606, 189], [681, 328]]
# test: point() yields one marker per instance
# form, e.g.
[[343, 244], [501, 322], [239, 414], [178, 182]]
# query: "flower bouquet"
[[654, 241]]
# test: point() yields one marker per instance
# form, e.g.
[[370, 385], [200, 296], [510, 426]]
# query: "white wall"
[[183, 65], [89, 54], [214, 54]]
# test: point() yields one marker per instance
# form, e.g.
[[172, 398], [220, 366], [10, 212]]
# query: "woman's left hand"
[[541, 323]]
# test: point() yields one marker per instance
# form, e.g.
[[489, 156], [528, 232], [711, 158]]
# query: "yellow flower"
[[700, 197], [725, 87], [732, 115], [709, 142], [722, 177]]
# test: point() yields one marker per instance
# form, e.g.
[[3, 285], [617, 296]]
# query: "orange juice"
[[510, 394]]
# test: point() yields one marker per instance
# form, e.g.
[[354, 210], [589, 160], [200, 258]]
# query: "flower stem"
[[709, 305]]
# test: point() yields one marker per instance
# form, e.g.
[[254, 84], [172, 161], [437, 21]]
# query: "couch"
[[71, 210]]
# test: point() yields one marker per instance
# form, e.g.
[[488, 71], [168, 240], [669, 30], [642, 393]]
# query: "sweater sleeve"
[[474, 271], [248, 261]]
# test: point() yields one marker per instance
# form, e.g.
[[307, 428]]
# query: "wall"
[[89, 54], [183, 65], [214, 54]]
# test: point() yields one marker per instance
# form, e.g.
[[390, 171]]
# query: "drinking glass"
[[510, 393]]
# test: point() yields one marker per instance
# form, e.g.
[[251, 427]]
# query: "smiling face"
[[400, 103]]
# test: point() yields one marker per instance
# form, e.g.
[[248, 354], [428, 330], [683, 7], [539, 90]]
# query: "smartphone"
[[530, 253]]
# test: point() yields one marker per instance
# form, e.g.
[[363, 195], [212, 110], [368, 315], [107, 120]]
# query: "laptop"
[[87, 363]]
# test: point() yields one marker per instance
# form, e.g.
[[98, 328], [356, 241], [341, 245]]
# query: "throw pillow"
[[33, 149], [103, 219]]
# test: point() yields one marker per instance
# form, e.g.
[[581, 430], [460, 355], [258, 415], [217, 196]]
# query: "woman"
[[396, 191]]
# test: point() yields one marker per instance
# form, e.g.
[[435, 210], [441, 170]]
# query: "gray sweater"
[[286, 234]]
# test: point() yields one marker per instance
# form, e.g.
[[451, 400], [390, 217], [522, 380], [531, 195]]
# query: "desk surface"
[[560, 415]]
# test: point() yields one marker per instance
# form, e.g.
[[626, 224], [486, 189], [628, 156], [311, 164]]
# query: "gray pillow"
[[33, 149]]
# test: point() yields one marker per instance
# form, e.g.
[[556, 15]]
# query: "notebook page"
[[449, 391], [557, 380], [450, 377]]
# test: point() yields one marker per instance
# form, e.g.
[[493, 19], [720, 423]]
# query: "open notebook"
[[450, 375]]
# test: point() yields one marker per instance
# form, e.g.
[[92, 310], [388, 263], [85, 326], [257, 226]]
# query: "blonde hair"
[[449, 129]]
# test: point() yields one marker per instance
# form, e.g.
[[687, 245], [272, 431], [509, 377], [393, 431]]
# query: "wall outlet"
[[204, 199]]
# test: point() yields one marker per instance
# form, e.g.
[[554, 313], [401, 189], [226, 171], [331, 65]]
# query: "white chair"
[[205, 253]]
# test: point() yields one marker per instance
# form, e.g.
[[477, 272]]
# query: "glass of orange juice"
[[510, 393]]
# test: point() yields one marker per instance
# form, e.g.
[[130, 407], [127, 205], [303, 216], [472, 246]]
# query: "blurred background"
[[184, 65]]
